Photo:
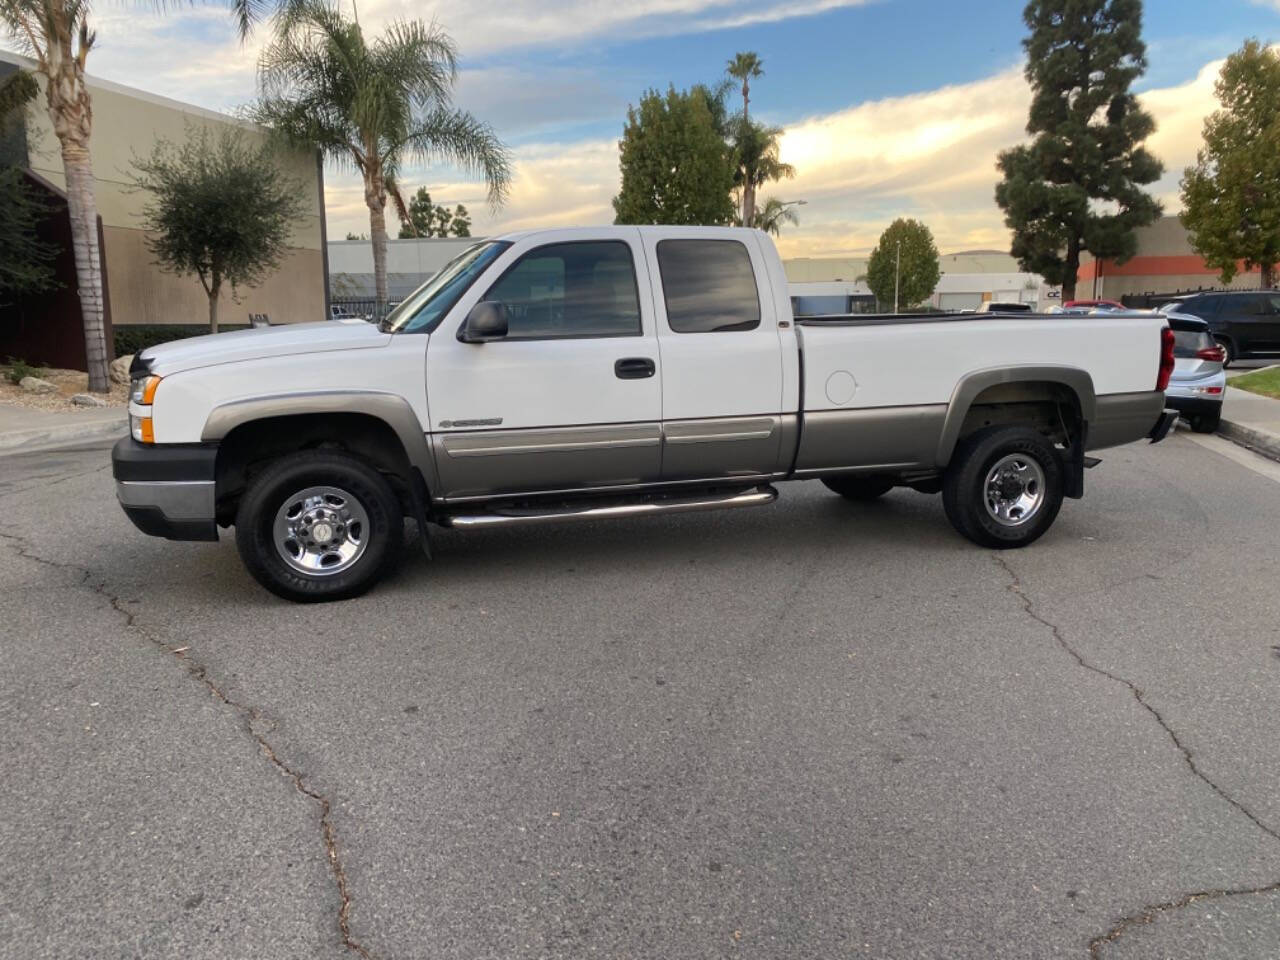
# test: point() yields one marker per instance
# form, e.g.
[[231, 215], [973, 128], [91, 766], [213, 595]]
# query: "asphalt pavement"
[[815, 729]]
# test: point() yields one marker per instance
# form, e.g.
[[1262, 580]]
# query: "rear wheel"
[[1228, 355], [859, 488], [1003, 488], [318, 525], [1205, 422]]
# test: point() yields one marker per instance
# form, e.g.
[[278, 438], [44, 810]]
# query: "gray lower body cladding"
[[871, 439], [1124, 417]]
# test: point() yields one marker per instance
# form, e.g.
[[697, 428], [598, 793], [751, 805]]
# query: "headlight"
[[143, 390]]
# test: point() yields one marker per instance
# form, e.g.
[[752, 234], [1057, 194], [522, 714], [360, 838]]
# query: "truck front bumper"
[[167, 489]]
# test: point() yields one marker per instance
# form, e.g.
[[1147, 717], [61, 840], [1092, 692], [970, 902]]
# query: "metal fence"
[[361, 307], [1148, 301]]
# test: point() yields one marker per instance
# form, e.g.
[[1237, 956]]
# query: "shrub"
[[19, 369], [134, 339]]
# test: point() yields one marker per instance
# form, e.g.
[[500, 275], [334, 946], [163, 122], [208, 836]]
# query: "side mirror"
[[486, 321]]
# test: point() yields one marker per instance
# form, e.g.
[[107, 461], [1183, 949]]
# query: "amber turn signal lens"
[[149, 390], [147, 430]]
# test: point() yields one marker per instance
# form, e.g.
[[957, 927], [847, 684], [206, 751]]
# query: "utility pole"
[[897, 269]]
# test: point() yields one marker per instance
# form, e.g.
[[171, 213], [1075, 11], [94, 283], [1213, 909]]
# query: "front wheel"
[[318, 525], [1003, 488]]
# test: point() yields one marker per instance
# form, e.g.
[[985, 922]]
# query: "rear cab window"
[[709, 286]]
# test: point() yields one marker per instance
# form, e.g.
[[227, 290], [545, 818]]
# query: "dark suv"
[[1245, 322]]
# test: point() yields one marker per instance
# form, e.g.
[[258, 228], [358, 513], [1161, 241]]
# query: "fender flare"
[[971, 384], [392, 409]]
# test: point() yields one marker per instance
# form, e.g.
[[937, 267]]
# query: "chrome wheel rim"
[[1014, 491], [321, 531]]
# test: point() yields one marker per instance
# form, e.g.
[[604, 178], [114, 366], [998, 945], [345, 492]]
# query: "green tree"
[[423, 218], [56, 34], [373, 105], [774, 214], [1231, 197], [1077, 185], [756, 162], [916, 274], [25, 261], [676, 166], [220, 209], [745, 67]]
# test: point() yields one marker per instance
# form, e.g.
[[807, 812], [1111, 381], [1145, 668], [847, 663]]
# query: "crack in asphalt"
[[1149, 913], [247, 714], [1153, 912]]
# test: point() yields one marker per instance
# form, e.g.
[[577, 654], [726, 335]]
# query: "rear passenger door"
[[571, 397], [722, 372]]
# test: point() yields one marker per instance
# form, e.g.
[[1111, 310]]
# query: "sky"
[[890, 107]]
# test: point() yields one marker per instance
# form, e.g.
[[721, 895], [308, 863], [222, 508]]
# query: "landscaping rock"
[[87, 400], [119, 369], [36, 385]]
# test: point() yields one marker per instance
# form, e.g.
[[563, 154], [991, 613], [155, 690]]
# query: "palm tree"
[[746, 66], [56, 34], [370, 106], [756, 153], [774, 214]]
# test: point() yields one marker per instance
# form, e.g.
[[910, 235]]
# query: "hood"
[[260, 342]]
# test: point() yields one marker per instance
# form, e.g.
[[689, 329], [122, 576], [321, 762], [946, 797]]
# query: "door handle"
[[634, 368]]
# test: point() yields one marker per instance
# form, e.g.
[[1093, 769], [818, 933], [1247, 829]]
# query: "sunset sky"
[[891, 107]]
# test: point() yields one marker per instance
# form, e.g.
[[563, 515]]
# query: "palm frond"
[[455, 136]]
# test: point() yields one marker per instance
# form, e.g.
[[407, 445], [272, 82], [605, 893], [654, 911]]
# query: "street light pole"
[[897, 269]]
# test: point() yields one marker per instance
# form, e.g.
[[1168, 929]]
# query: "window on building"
[[708, 286], [584, 289]]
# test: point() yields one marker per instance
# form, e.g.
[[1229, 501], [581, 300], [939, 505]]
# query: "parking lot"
[[815, 729]]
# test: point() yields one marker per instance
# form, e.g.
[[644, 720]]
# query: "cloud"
[[487, 28], [930, 155]]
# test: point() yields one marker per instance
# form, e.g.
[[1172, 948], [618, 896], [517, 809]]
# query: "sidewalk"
[[1252, 421], [23, 429]]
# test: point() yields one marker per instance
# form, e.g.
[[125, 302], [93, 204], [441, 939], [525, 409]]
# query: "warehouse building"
[[970, 278], [127, 123], [1164, 264]]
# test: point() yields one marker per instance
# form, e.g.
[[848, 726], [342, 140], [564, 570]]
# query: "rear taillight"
[[1166, 359], [1214, 354]]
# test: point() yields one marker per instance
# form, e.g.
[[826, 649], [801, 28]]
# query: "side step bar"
[[755, 497]]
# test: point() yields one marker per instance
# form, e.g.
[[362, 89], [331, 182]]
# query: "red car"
[[1112, 304]]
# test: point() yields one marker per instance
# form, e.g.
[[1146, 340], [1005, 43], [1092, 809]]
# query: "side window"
[[708, 285], [585, 289], [1203, 306]]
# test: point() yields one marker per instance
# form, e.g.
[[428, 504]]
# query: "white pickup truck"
[[615, 371]]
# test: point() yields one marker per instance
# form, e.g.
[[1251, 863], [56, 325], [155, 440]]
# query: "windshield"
[[425, 307]]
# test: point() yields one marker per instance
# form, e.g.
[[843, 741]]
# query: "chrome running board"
[[507, 516]]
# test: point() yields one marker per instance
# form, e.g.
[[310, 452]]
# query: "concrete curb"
[[1259, 441], [62, 435]]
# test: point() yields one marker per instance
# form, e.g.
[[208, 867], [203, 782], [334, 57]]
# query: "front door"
[[572, 396], [722, 385]]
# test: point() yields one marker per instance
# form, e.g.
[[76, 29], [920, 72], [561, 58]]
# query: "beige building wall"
[[126, 124]]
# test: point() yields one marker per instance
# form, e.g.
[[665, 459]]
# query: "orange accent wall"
[[1152, 266]]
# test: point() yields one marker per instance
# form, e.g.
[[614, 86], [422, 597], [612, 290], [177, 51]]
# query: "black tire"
[[1228, 354], [964, 486], [1205, 422], [293, 474], [859, 488]]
